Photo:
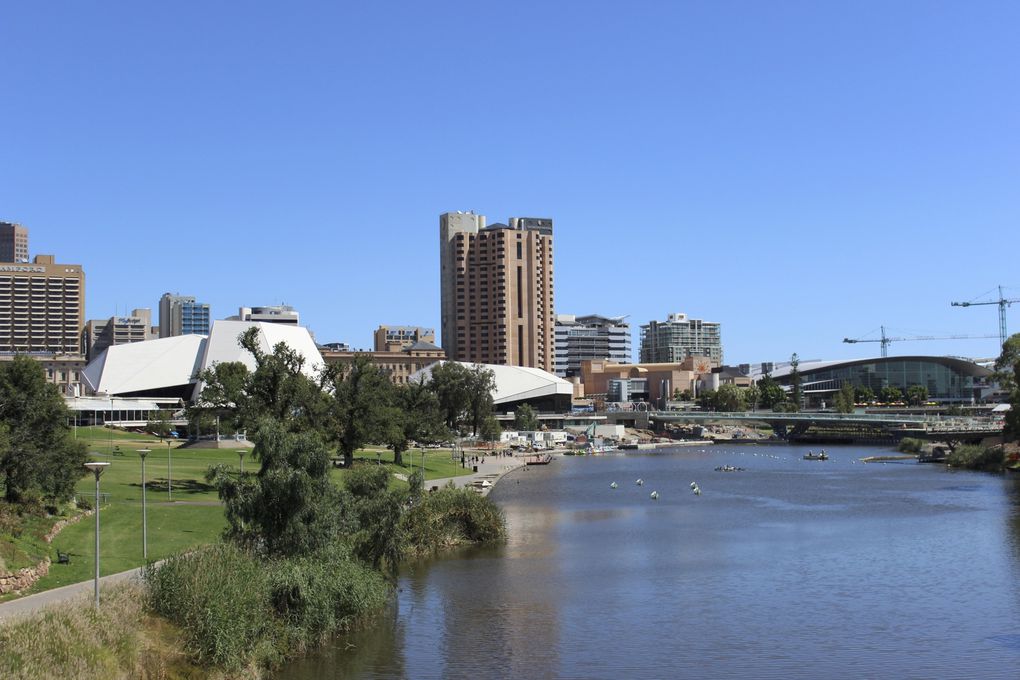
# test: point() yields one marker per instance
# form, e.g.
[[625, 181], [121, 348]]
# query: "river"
[[788, 569]]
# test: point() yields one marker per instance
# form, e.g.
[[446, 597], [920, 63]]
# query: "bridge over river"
[[928, 427]]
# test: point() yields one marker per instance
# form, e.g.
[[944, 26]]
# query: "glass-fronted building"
[[948, 379]]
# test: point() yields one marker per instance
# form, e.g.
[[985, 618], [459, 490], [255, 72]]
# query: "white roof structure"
[[222, 345], [148, 366], [514, 383], [155, 366]]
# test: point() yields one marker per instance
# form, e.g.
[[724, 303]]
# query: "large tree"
[[481, 385], [290, 506], [917, 395], [361, 409], [418, 418], [450, 383], [37, 452], [844, 400], [1005, 365], [796, 393], [525, 418], [771, 393]]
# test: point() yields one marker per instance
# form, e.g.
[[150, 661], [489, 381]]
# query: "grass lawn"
[[195, 516]]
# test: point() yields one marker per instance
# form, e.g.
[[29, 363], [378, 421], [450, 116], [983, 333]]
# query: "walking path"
[[491, 470], [76, 591]]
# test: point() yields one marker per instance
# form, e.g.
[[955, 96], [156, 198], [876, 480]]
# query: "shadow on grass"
[[179, 485]]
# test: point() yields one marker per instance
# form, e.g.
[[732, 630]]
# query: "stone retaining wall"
[[23, 579]]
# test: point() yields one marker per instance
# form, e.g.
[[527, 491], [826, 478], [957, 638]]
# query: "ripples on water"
[[790, 569]]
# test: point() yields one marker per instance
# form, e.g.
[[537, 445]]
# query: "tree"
[[161, 426], [845, 398], [290, 507], [481, 385], [890, 394], [225, 388], [1005, 365], [525, 418], [796, 394], [376, 512], [361, 408], [418, 418], [864, 395], [917, 395], [37, 452], [490, 430], [771, 393], [730, 398], [450, 383], [751, 396], [682, 395]]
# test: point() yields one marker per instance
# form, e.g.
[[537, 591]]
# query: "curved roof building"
[[947, 379], [544, 391], [169, 367]]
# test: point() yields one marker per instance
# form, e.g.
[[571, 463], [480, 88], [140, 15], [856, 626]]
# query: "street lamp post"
[[169, 474], [240, 459], [97, 469], [142, 453]]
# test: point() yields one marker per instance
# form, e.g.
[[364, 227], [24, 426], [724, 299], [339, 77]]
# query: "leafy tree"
[[525, 418], [481, 384], [37, 452], [730, 398], [845, 398], [890, 394], [490, 430], [751, 396], [418, 418], [225, 388], [796, 394], [161, 426], [361, 409], [917, 395], [771, 392], [1005, 365], [290, 506], [682, 395], [376, 511], [450, 383], [864, 395], [708, 400]]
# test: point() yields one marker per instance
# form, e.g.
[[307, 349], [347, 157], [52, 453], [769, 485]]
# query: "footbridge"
[[929, 427]]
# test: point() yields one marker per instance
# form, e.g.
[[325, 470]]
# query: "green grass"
[[195, 517]]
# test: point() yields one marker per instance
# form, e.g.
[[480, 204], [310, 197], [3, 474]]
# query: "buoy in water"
[[613, 485], [654, 495], [640, 482]]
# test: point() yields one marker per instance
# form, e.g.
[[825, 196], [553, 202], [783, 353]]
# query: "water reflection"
[[790, 569]]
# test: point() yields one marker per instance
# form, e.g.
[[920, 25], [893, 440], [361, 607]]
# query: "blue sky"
[[798, 171]]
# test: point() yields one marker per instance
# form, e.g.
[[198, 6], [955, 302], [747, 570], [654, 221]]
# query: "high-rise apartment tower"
[[42, 307], [680, 337], [590, 337], [181, 315], [497, 290], [13, 242]]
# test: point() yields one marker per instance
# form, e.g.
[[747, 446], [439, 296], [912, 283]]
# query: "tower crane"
[[885, 340], [1002, 302]]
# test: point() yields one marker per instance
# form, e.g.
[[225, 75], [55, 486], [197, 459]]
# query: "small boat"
[[729, 468], [816, 456]]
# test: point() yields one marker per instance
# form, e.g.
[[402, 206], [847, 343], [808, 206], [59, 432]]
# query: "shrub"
[[239, 611], [911, 445], [990, 459], [449, 517]]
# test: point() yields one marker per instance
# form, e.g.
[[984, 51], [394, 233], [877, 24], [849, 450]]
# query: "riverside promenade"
[[492, 470]]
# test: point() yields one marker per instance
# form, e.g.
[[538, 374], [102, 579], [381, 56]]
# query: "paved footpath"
[[83, 591], [492, 470]]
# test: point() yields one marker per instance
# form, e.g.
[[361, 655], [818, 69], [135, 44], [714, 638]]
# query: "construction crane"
[[1003, 303], [885, 340]]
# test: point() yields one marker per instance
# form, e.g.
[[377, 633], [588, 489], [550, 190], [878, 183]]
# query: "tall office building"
[[590, 337], [13, 242], [680, 337], [42, 307], [497, 290], [270, 314], [396, 338], [181, 315], [117, 330]]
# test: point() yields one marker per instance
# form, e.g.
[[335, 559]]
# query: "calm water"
[[790, 569]]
